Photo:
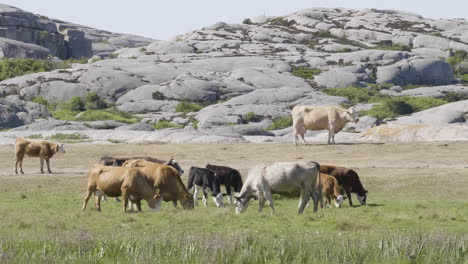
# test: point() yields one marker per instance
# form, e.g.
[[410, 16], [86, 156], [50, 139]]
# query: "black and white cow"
[[205, 178], [229, 177]]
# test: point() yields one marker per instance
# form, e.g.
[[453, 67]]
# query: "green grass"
[[162, 124], [73, 136], [36, 229], [95, 115], [388, 106], [357, 94], [35, 136], [280, 123], [252, 117], [187, 107], [305, 72], [396, 106]]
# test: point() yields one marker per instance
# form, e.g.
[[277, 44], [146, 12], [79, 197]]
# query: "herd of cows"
[[154, 180]]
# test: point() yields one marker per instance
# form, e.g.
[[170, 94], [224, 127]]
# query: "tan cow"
[[331, 118], [166, 179], [115, 181], [32, 148], [331, 190]]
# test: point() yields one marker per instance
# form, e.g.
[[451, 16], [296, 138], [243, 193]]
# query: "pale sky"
[[164, 19]]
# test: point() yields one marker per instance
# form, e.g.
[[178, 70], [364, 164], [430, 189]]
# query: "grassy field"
[[417, 210]]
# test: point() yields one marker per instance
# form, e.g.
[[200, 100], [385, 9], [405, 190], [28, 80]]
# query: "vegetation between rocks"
[[187, 107], [305, 72], [10, 68], [280, 123], [162, 124], [69, 138], [388, 106]]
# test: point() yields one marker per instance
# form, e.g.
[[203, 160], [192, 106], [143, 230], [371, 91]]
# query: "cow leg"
[[48, 165], [86, 199], [304, 199], [315, 198], [261, 201], [174, 202], [42, 164], [205, 200], [348, 193], [125, 198], [117, 199], [97, 202], [269, 198], [195, 195], [138, 205], [229, 194], [302, 133]]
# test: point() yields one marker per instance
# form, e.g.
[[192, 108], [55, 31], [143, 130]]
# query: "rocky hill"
[[26, 35], [229, 82]]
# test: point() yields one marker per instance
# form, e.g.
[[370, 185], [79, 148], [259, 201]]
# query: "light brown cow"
[[166, 179], [331, 190], [32, 148], [331, 118], [115, 181]]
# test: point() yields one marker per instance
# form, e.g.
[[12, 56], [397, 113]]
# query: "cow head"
[[155, 203], [352, 115], [362, 197], [241, 204], [174, 164], [59, 148], [218, 200], [339, 200], [187, 202]]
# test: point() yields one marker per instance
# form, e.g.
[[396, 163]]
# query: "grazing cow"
[[32, 148], [288, 178], [331, 189], [115, 181], [113, 161], [166, 179], [229, 177], [205, 178], [331, 118], [349, 179]]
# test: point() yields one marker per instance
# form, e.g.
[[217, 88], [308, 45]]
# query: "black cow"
[[229, 177], [205, 178], [113, 161]]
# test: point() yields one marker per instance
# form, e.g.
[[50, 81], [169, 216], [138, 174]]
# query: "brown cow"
[[113, 161], [326, 117], [349, 179], [32, 148], [115, 181], [331, 189], [166, 179]]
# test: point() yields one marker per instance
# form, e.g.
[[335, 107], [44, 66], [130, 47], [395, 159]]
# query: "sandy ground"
[[430, 168]]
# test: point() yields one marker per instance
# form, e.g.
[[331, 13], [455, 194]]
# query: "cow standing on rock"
[[331, 118], [32, 148]]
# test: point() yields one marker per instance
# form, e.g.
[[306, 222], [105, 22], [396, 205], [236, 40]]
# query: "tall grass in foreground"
[[81, 247]]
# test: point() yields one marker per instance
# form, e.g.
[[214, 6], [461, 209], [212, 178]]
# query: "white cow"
[[288, 178], [331, 118]]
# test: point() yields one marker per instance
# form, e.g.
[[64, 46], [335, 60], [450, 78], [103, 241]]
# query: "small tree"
[[93, 102], [74, 104]]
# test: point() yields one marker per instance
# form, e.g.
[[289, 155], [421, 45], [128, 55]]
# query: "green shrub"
[[162, 124], [93, 101], [107, 114], [455, 97], [247, 21], [64, 115], [464, 78], [252, 117], [305, 72], [95, 115], [380, 86], [113, 56], [280, 21], [393, 107], [187, 107], [75, 104], [35, 136], [280, 123], [413, 86], [399, 47], [357, 94], [40, 100], [73, 136]]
